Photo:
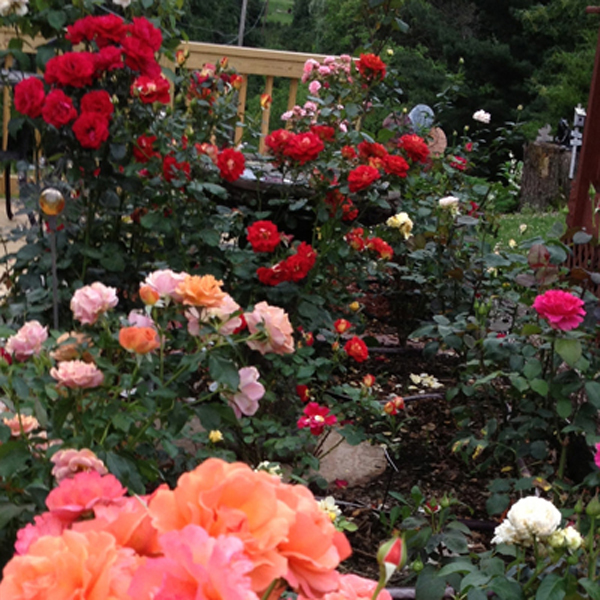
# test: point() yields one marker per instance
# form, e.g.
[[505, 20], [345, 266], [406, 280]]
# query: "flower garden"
[[179, 348]]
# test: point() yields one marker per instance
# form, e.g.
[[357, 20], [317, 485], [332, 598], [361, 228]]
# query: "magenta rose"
[[562, 310], [77, 374], [91, 301], [27, 341]]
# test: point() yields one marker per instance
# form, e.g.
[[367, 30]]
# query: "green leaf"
[[429, 585], [125, 471], [581, 237], [540, 386], [497, 503], [520, 383], [460, 566], [456, 542], [506, 589], [223, 370], [564, 407], [211, 237], [9, 511], [13, 456], [57, 19], [113, 262], [551, 588], [538, 450], [569, 350], [474, 579], [591, 587], [592, 389], [476, 594], [531, 329], [29, 252], [532, 369]]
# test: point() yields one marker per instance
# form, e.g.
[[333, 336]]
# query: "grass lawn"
[[278, 11], [526, 225]]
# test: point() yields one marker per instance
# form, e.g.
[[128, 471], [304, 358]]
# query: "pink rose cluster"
[[28, 341], [90, 302], [225, 532], [562, 310]]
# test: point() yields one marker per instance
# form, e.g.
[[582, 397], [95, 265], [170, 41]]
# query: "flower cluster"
[[358, 240], [213, 81], [293, 268], [294, 148]]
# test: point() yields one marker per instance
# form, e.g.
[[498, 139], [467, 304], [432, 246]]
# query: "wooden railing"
[[246, 61]]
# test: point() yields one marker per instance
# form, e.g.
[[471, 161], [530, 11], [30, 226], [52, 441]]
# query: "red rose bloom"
[[298, 265], [145, 33], [231, 164], [562, 310], [383, 249], [104, 30], [272, 275], [316, 418], [371, 67], [263, 236], [75, 69], [335, 200], [303, 393], [174, 170], [324, 132], [152, 89], [278, 140], [367, 150], [207, 149], [348, 152], [91, 129], [342, 325], [108, 59], [356, 238], [29, 97], [415, 147], [58, 109], [99, 102], [395, 165], [469, 147], [362, 177], [459, 163], [304, 147], [140, 57], [143, 150], [356, 349]]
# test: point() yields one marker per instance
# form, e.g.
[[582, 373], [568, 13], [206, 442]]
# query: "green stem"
[[268, 591], [590, 544]]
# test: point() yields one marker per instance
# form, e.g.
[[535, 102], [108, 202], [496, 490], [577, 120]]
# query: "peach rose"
[[71, 346], [91, 301], [230, 499], [69, 462], [26, 423], [202, 291], [27, 341], [276, 326], [77, 374], [89, 566], [353, 587], [250, 391], [140, 340]]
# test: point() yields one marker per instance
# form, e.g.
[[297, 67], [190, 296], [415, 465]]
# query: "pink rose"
[[310, 106], [562, 310], [324, 70], [91, 301], [223, 313], [314, 87], [44, 524], [69, 462], [138, 319], [597, 455], [27, 341], [276, 326], [21, 424], [165, 282], [250, 391], [77, 374]]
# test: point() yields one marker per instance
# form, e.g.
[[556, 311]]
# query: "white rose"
[[534, 516], [123, 3], [449, 203], [482, 116], [19, 7], [573, 538], [505, 533]]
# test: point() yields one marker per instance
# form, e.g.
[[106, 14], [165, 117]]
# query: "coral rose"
[[562, 310], [69, 462], [89, 566], [77, 374], [140, 340], [44, 524], [91, 301], [275, 324], [27, 341], [205, 290]]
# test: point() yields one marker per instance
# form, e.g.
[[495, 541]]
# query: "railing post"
[[266, 114], [239, 130]]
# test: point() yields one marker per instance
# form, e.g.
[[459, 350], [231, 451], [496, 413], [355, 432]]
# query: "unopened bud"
[[391, 555], [593, 508]]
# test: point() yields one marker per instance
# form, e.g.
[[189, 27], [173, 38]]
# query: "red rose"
[[459, 163], [143, 150], [371, 67], [272, 275], [91, 129], [29, 97], [58, 109], [415, 147], [231, 164], [469, 147], [395, 165], [356, 238], [367, 150], [383, 249], [108, 59], [152, 89], [278, 140], [298, 265], [99, 102], [362, 177], [356, 349], [342, 325], [348, 152], [304, 147], [145, 33], [263, 236], [316, 418], [173, 169], [75, 69], [104, 30], [324, 132], [140, 57], [562, 310], [335, 200], [303, 393]]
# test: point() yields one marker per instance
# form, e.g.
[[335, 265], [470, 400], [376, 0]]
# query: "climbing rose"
[[152, 89], [263, 236], [98, 101], [316, 418], [29, 97], [362, 177], [58, 109], [356, 349], [71, 69], [562, 310], [91, 130], [231, 164]]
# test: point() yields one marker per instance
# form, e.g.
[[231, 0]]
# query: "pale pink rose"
[[308, 68], [346, 58], [80, 494], [314, 87], [329, 59], [193, 563], [27, 341], [24, 423], [223, 312], [69, 462], [299, 111], [324, 70], [91, 301], [343, 126], [44, 524], [76, 374], [277, 327], [310, 106], [137, 318], [250, 391], [193, 317], [165, 282], [287, 115]]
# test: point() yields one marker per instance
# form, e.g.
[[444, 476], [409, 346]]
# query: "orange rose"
[[140, 340], [72, 565], [202, 290]]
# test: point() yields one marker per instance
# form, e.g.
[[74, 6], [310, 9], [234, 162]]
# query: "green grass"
[[526, 225], [278, 12]]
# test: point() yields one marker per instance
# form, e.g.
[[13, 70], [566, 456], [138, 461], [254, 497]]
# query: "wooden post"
[[583, 203]]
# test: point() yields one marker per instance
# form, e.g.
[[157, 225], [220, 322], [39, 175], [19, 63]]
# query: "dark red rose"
[[272, 275], [415, 147], [140, 57], [348, 152], [263, 236], [174, 170], [98, 101], [143, 151], [356, 349], [304, 147], [362, 177], [58, 109], [368, 150], [371, 67], [29, 97], [325, 132], [108, 59], [395, 165], [231, 164], [75, 69], [145, 33], [278, 140], [298, 265], [459, 163], [152, 89], [104, 30], [91, 129]]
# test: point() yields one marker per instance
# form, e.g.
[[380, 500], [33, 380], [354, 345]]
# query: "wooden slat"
[[293, 93], [239, 131], [266, 113]]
